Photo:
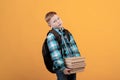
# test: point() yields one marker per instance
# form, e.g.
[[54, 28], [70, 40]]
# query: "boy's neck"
[[60, 28]]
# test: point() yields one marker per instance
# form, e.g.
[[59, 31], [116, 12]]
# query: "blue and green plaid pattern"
[[59, 52]]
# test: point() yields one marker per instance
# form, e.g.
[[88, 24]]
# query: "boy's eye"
[[54, 21], [58, 18]]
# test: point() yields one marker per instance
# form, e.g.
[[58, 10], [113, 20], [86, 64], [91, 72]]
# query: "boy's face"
[[55, 22]]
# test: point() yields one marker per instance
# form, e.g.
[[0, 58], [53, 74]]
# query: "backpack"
[[46, 53]]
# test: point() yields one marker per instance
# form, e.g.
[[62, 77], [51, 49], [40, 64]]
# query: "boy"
[[62, 72]]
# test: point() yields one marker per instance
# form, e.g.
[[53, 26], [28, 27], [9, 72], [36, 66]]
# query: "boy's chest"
[[65, 41]]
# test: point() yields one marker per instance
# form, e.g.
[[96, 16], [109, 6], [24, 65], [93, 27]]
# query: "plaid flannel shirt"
[[59, 52]]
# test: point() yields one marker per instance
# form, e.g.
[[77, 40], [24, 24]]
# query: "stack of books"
[[76, 64]]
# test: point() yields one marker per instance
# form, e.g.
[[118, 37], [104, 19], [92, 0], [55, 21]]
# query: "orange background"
[[95, 25]]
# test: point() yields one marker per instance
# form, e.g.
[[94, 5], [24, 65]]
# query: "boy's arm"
[[55, 52], [74, 47]]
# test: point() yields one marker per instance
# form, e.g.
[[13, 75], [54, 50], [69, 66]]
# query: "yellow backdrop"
[[95, 25]]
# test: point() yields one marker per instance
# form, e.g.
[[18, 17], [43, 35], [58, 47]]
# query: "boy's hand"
[[67, 71]]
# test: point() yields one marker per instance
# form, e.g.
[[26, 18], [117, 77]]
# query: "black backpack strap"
[[57, 35]]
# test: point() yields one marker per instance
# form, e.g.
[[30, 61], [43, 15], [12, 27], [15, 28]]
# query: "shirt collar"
[[59, 29]]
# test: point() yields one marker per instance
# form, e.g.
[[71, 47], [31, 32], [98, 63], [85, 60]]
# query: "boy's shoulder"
[[52, 34]]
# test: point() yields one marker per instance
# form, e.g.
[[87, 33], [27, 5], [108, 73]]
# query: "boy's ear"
[[49, 25]]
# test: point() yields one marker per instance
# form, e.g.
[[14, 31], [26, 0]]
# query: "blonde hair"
[[49, 15]]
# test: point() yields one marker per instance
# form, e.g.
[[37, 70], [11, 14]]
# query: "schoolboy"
[[62, 72]]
